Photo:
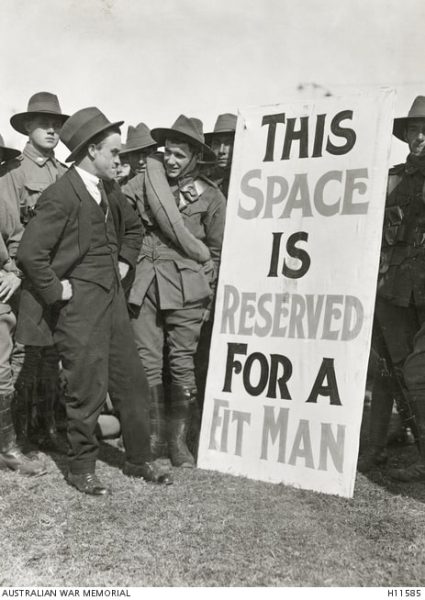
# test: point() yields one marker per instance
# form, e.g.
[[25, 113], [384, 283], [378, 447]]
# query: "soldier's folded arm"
[[39, 240], [214, 225]]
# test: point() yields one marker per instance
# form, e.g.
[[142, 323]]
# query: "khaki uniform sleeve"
[[214, 226]]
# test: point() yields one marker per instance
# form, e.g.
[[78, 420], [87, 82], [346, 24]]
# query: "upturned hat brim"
[[85, 142], [160, 134], [400, 124], [18, 121]]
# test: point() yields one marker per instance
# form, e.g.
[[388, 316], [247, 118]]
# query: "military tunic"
[[403, 246], [10, 234], [220, 177], [222, 182], [23, 179], [400, 306], [172, 291]]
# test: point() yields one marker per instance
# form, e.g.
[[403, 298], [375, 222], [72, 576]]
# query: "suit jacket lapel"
[[111, 192], [84, 214]]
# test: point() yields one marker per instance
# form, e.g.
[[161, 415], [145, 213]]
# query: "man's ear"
[[91, 148]]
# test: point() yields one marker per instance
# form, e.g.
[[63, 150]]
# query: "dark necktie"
[[103, 198]]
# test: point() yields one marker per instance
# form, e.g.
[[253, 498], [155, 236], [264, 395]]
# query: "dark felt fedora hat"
[[7, 153], [417, 111], [41, 103], [226, 123], [138, 138], [188, 130], [82, 126]]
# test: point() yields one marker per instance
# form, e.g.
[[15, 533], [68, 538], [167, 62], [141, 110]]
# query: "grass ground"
[[209, 529]]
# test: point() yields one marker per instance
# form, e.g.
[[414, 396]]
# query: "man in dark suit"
[[82, 241]]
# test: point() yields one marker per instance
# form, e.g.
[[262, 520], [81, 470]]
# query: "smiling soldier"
[[183, 216]]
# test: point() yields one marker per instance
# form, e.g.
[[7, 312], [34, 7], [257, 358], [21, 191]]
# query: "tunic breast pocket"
[[32, 192], [193, 216]]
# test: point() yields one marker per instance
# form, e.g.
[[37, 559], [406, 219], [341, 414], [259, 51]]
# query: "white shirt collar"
[[86, 176], [91, 182]]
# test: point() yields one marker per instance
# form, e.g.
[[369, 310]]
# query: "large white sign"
[[296, 292]]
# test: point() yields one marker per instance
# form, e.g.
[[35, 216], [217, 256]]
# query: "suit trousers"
[[93, 336], [179, 329]]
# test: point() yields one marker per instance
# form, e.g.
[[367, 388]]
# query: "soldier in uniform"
[[183, 215], [22, 180], [221, 141], [411, 271], [11, 455], [139, 145], [400, 303]]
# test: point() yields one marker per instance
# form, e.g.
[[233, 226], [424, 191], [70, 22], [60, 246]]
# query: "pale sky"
[[150, 60]]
